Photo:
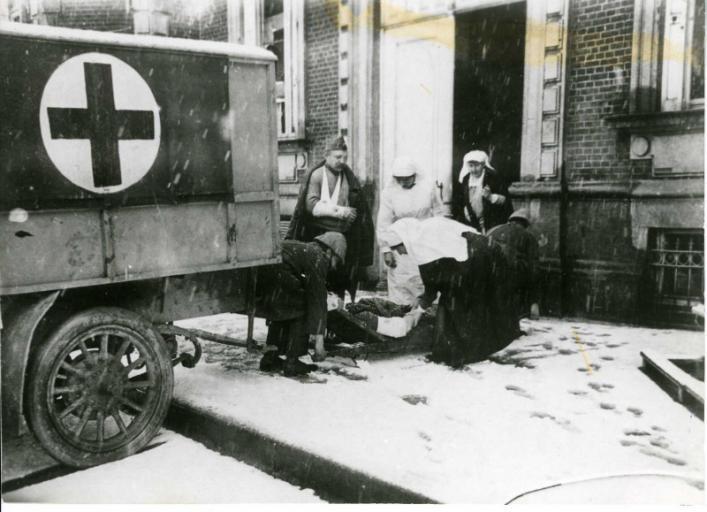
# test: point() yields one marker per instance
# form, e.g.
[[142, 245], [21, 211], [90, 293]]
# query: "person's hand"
[[486, 192], [389, 259], [424, 301], [534, 311], [349, 214]]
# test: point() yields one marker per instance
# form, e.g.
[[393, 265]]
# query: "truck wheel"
[[99, 387]]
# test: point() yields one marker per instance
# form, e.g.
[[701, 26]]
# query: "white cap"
[[478, 156], [404, 167]]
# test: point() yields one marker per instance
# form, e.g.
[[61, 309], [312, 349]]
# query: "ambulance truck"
[[138, 186]]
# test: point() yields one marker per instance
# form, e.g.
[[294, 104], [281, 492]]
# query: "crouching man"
[[293, 297]]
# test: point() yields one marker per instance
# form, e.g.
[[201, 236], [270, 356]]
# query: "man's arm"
[[314, 191]]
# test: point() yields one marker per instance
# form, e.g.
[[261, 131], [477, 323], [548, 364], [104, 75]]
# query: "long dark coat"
[[475, 316], [520, 248], [359, 238], [494, 214]]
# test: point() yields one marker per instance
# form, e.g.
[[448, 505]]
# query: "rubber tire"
[[38, 415]]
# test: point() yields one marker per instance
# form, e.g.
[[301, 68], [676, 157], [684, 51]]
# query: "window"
[[667, 72], [150, 17], [677, 268], [278, 25], [283, 34], [683, 82], [666, 115]]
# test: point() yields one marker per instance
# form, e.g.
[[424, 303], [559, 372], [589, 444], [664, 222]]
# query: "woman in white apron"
[[407, 195]]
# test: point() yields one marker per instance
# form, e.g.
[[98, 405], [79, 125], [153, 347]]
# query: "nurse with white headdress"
[[485, 199], [409, 194]]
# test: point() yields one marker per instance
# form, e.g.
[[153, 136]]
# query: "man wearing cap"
[[292, 295], [520, 248], [407, 195], [331, 199], [485, 202]]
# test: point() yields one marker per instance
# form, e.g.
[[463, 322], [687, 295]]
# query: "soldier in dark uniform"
[[520, 248], [293, 296]]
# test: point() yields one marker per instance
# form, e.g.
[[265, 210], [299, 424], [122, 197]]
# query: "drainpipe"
[[565, 266], [563, 225]]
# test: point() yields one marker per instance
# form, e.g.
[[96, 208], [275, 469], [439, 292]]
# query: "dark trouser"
[[290, 337]]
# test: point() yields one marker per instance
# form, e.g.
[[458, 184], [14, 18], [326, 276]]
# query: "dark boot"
[[271, 362], [294, 367]]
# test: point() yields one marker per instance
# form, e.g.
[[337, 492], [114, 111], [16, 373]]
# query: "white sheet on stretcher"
[[399, 326]]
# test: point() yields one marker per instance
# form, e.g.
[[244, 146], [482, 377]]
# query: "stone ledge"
[[660, 122], [692, 187], [535, 189], [686, 187]]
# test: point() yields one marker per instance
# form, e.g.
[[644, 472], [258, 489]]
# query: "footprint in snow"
[[424, 436], [566, 424], [415, 399], [562, 338], [629, 442], [577, 392], [635, 411], [652, 452], [476, 374], [657, 428], [600, 387], [607, 406], [613, 345], [660, 442], [519, 391], [593, 366], [636, 432], [606, 358], [566, 351], [699, 484]]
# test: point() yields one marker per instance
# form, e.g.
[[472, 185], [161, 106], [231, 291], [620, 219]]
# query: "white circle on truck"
[[99, 122]]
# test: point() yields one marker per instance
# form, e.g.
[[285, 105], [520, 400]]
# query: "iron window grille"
[[677, 265]]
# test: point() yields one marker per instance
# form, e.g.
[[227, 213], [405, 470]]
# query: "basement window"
[[677, 268]]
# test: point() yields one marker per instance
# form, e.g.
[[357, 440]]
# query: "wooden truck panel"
[[126, 157]]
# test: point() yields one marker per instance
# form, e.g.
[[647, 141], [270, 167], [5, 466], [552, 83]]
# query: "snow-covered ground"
[[178, 471], [566, 402]]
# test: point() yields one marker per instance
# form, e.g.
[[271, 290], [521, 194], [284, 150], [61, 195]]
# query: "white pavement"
[[567, 402], [178, 471]]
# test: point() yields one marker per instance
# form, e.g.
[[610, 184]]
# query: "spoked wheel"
[[100, 387]]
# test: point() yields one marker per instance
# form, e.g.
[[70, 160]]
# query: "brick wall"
[[599, 70], [214, 21], [183, 22], [321, 74], [105, 15], [116, 16]]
